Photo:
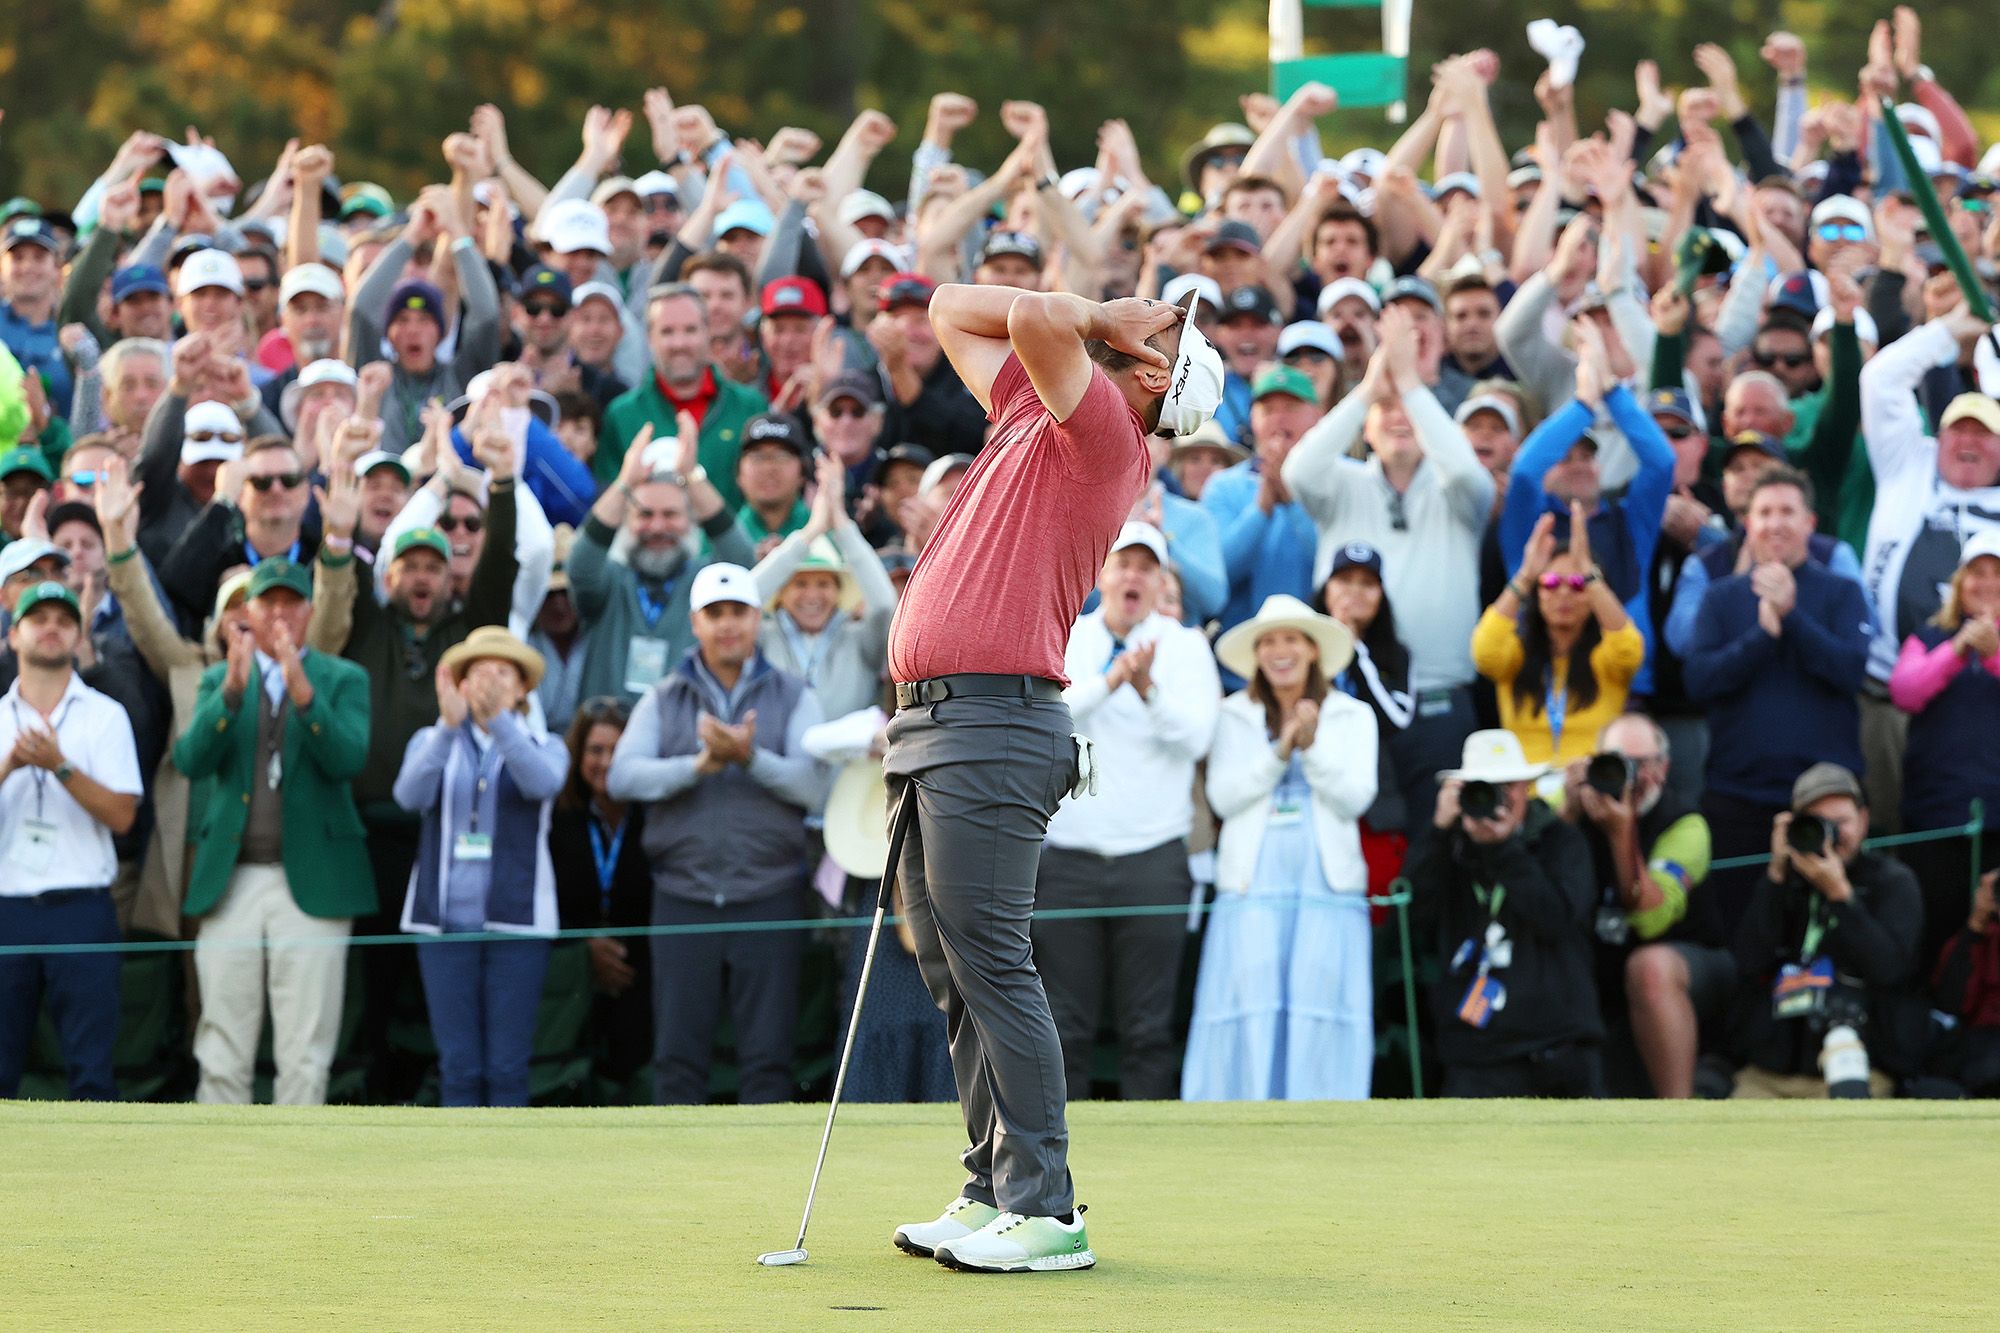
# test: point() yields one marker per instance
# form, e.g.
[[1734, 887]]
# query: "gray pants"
[[1134, 960], [987, 774]]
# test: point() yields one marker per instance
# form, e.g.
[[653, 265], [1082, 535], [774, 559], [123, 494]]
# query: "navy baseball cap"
[[1357, 555], [137, 280], [1795, 293], [542, 278], [1251, 300], [1672, 403], [31, 230], [1234, 235], [1767, 445]]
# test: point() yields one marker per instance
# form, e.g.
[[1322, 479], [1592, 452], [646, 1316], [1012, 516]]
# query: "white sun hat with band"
[[1237, 650]]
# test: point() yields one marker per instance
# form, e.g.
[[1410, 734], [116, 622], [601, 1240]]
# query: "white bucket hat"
[[1494, 756], [1237, 650]]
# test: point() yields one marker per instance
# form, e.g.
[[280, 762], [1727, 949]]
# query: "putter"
[[906, 809]]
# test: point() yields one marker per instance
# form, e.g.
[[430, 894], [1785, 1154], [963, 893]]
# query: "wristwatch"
[[63, 772]]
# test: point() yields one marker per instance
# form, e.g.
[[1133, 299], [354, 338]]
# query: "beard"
[[657, 566]]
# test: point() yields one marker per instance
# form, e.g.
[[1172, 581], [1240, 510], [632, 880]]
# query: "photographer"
[[1506, 885], [1658, 943], [1828, 942]]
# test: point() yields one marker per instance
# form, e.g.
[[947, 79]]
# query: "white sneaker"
[[964, 1217], [1011, 1243]]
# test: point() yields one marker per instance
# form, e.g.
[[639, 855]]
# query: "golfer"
[[981, 740]]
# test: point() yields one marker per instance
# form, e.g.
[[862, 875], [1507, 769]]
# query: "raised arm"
[[1048, 332]]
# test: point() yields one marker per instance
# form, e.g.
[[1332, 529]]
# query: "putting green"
[[1389, 1214]]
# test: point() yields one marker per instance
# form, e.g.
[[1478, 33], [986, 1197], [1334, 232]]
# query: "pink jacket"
[[1922, 673]]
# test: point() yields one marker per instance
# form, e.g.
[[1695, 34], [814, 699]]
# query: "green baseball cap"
[[26, 458], [1282, 378], [365, 197], [430, 539], [49, 591], [279, 572]]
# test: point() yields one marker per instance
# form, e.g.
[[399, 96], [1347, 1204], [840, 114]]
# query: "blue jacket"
[[559, 479], [1717, 560], [1234, 413], [1778, 706], [1623, 532], [1195, 547], [1263, 554], [36, 348]]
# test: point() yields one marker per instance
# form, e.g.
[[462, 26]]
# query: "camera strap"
[[1491, 899], [1816, 924]]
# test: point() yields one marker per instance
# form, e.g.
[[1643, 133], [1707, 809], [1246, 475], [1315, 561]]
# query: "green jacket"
[[326, 851], [721, 430]]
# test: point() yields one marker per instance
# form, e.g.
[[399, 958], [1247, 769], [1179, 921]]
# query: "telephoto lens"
[[1810, 835], [1610, 773], [1479, 800]]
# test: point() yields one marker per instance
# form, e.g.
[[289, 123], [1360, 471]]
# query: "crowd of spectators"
[[1601, 539]]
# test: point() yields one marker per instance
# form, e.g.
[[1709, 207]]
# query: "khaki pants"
[[1885, 734], [1756, 1084], [307, 976]]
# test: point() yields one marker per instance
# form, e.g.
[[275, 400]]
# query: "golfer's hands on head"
[[1126, 323]]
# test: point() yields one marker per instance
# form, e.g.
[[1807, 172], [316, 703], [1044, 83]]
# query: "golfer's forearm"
[[1054, 315], [979, 311]]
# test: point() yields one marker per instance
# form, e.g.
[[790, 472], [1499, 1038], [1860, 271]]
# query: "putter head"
[[781, 1258]]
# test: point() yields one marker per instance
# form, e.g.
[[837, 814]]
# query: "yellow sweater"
[[1496, 652]]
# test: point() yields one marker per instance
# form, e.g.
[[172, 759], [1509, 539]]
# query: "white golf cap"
[[597, 291], [656, 183], [866, 204], [1864, 326], [1457, 180], [1207, 288], [1984, 541], [484, 192], [1843, 208], [25, 552], [576, 224], [1489, 402], [1142, 534], [1919, 120], [326, 370], [1308, 333], [375, 458], [209, 268], [723, 582], [221, 424], [1340, 289], [866, 249], [941, 468], [1194, 382], [611, 187], [317, 279], [1364, 162]]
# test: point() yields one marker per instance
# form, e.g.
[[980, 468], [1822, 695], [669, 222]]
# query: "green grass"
[[1408, 1215]]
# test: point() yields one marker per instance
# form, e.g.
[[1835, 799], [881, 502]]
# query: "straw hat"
[[857, 820], [1237, 650], [493, 641], [823, 557]]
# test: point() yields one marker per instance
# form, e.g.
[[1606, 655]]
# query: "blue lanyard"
[[1558, 710], [1117, 651], [250, 553], [489, 763], [650, 609], [606, 858]]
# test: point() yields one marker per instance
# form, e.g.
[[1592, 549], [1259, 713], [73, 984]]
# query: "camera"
[[1479, 800], [1610, 773], [1810, 835]]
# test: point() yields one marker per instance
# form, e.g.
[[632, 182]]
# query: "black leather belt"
[[973, 686]]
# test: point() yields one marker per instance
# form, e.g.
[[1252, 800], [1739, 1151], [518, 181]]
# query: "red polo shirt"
[[1020, 545], [698, 403]]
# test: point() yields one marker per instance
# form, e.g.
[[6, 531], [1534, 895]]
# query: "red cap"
[[793, 296], [900, 289]]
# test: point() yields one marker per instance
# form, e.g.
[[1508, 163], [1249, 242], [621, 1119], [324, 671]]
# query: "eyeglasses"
[[283, 480], [472, 523], [1789, 360], [605, 708], [209, 436], [1841, 231], [255, 284], [1312, 355], [545, 310], [852, 412], [1398, 520], [1576, 581], [1678, 431]]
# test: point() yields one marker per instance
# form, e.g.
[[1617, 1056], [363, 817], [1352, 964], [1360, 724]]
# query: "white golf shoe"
[[1011, 1243], [964, 1217]]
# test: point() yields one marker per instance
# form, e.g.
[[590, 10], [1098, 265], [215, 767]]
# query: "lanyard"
[[649, 609], [1816, 925], [1557, 710], [1490, 899], [606, 857], [489, 762], [251, 556], [55, 729], [808, 650]]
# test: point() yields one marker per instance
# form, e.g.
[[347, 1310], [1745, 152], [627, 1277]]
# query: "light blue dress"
[[1284, 1002]]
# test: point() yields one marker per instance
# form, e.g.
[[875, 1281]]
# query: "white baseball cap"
[[1919, 120], [723, 582], [326, 370], [1308, 333], [939, 469], [209, 268], [1142, 534], [576, 224], [1985, 541], [869, 248], [1489, 402], [866, 204], [597, 291], [375, 458], [1364, 162], [656, 183], [1864, 326], [1208, 288], [611, 187], [317, 279], [25, 552], [213, 419], [1194, 384], [1843, 208], [1340, 289]]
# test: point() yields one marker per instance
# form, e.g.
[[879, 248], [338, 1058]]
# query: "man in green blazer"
[[280, 863]]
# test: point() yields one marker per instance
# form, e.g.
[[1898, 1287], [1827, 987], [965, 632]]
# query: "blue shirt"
[[36, 348], [1264, 554], [1234, 413]]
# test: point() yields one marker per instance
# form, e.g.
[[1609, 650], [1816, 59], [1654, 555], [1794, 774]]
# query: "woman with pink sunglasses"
[[1558, 647]]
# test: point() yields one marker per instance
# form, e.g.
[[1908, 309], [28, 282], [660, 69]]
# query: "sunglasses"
[[255, 284], [209, 436], [1678, 431], [1577, 581], [545, 309], [1841, 231], [472, 523], [283, 480], [84, 480], [605, 708], [1789, 360], [848, 411]]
